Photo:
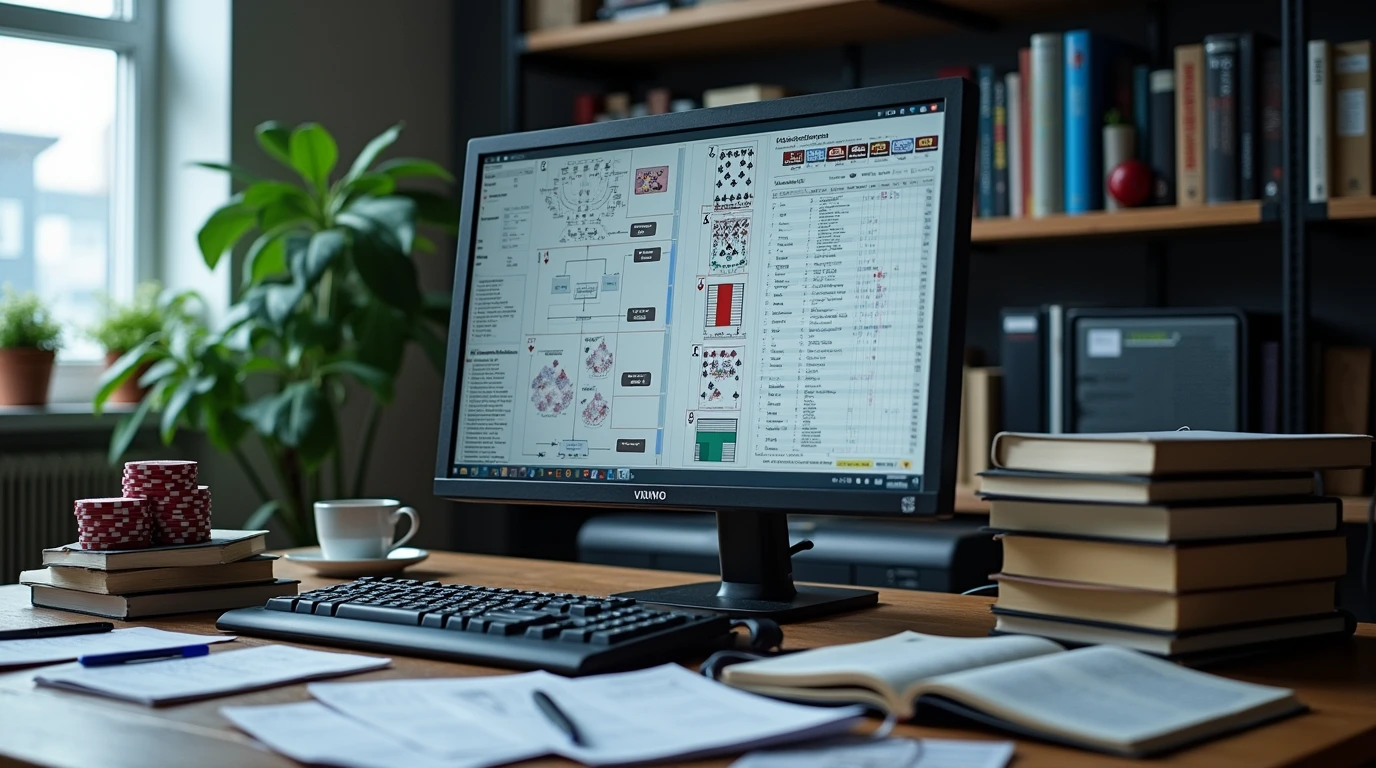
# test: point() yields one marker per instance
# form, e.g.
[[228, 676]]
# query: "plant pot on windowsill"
[[24, 375], [128, 392]]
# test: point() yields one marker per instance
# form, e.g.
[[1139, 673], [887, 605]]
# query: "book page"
[[1110, 694], [897, 661]]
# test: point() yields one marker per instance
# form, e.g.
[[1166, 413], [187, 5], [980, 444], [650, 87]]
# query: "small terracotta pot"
[[129, 391], [24, 376]]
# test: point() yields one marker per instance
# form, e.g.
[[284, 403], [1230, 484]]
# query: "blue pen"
[[111, 659]]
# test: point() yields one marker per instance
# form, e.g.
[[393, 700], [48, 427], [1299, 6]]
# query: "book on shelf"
[[1047, 97], [1189, 127], [1186, 646], [1320, 151], [224, 546], [1164, 611], [257, 568], [1176, 567], [1025, 685], [1170, 522], [1352, 118], [143, 605], [556, 14], [1017, 192], [1024, 136], [1141, 489], [1220, 119], [1251, 48], [1141, 113], [1087, 65], [1180, 452], [1023, 352], [984, 80], [982, 404], [1162, 155], [1002, 204], [1272, 118]]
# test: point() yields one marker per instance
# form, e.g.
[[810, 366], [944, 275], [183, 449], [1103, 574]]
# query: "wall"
[[357, 67]]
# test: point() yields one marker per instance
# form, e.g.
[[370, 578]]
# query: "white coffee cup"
[[361, 529]]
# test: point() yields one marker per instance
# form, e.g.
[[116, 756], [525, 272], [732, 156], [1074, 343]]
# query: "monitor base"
[[808, 601], [757, 575]]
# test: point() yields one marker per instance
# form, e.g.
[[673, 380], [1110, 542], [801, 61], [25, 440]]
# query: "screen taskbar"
[[837, 480]]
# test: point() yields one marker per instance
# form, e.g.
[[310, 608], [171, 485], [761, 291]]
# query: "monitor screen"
[[749, 307]]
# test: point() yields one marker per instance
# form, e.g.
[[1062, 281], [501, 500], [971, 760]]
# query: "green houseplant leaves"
[[329, 299]]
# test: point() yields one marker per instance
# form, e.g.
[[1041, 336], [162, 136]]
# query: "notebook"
[[1238, 638], [1163, 453], [255, 569], [224, 547], [1136, 489], [1185, 521], [162, 603], [1103, 698]]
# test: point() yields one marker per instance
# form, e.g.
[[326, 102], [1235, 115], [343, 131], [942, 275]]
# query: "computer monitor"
[[754, 310]]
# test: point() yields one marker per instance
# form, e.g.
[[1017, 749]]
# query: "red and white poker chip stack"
[[117, 523], [180, 508]]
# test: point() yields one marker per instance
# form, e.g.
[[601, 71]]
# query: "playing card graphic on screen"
[[725, 313]]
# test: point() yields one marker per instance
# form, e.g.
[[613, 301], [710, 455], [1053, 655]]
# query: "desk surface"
[[49, 727]]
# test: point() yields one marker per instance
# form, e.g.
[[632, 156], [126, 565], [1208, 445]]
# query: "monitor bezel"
[[953, 246]]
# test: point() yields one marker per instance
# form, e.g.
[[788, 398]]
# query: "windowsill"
[[60, 417]]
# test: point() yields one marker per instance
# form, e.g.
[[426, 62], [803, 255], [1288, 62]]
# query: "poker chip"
[[162, 504], [118, 502], [161, 465]]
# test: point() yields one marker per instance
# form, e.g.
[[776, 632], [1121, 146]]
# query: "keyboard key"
[[381, 613], [477, 624], [544, 631], [584, 609], [574, 635], [281, 604], [435, 620]]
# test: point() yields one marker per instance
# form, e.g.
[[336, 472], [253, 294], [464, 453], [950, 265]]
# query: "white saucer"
[[399, 558]]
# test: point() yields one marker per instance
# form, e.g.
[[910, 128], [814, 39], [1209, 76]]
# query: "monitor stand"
[[757, 576]]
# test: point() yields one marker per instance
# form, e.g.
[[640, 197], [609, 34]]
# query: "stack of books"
[[228, 571], [1181, 544]]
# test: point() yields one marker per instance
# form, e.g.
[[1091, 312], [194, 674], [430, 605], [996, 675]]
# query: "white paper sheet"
[[176, 680], [884, 753], [50, 650], [310, 732]]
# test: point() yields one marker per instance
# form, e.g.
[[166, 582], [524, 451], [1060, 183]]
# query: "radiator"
[[36, 493]]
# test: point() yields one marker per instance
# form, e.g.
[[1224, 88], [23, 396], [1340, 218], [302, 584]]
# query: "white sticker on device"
[[1104, 342]]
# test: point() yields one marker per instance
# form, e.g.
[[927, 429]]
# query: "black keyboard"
[[521, 629]]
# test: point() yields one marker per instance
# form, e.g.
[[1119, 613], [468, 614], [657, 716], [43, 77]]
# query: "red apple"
[[1130, 183]]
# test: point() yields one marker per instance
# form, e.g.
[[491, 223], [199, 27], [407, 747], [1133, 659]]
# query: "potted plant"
[[125, 326], [29, 340], [329, 301]]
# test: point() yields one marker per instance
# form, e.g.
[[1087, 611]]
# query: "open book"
[[1103, 698]]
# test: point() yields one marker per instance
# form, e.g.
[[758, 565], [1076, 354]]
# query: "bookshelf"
[[771, 24], [1352, 209], [1133, 221]]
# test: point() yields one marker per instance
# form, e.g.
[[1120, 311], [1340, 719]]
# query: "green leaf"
[[370, 184], [222, 425], [280, 300], [286, 212], [261, 364], [310, 263], [374, 148], [434, 209], [237, 172], [381, 332], [389, 275], [375, 379], [117, 374], [275, 140], [181, 397], [308, 424], [265, 193], [430, 343], [313, 154], [266, 414], [159, 371], [408, 167], [267, 257], [223, 229], [128, 428], [425, 244], [261, 516], [389, 219]]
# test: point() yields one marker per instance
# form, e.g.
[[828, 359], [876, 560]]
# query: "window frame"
[[133, 34]]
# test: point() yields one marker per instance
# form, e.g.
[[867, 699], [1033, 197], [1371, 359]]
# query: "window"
[[76, 160]]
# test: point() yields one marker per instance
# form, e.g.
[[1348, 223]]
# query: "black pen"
[[57, 630], [555, 715]]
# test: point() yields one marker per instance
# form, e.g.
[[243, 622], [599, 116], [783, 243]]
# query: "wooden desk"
[[49, 727]]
